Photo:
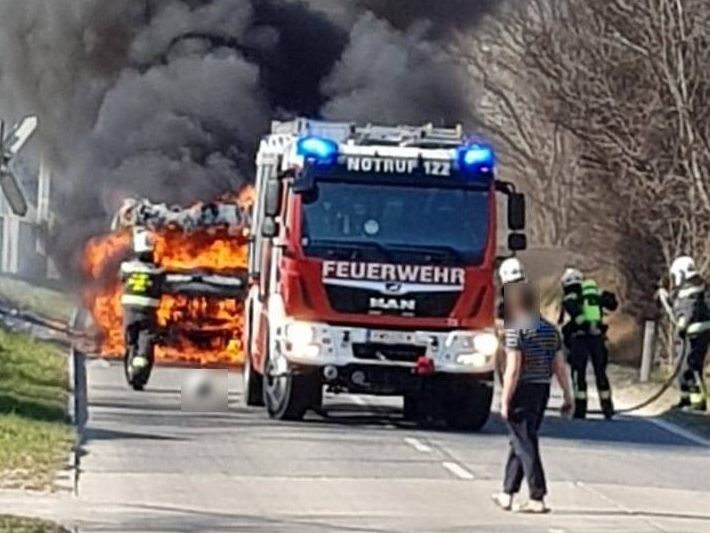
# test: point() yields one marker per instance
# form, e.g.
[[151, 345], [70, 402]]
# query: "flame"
[[205, 326], [196, 330]]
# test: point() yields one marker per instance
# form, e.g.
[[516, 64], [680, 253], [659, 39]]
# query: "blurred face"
[[521, 305]]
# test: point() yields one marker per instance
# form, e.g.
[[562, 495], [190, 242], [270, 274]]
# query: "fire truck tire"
[[467, 405], [253, 384], [413, 408], [288, 397]]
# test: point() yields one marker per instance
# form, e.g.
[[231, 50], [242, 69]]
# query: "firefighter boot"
[[698, 394], [137, 365], [580, 405], [684, 401], [607, 404]]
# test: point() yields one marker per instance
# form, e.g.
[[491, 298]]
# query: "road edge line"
[[679, 431]]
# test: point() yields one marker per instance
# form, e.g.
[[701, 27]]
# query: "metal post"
[[649, 337], [78, 374]]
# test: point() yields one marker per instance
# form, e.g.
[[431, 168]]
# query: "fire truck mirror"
[[272, 199], [517, 242], [516, 211], [269, 228]]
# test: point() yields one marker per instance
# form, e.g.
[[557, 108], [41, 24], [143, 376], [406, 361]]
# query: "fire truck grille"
[[406, 353], [363, 301]]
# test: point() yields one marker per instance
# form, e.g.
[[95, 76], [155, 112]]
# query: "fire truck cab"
[[372, 266]]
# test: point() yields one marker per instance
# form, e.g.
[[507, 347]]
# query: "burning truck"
[[372, 269], [202, 251]]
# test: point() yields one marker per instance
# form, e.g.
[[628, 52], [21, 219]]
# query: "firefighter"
[[584, 337], [142, 285], [693, 329]]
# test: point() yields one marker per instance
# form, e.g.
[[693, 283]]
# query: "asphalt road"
[[148, 466]]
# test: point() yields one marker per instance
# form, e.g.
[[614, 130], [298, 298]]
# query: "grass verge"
[[17, 524], [35, 434], [48, 303]]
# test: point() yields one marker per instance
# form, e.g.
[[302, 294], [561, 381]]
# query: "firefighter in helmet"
[[693, 328], [142, 285], [584, 336]]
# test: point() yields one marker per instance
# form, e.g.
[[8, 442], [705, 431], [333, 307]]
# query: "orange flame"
[[197, 330]]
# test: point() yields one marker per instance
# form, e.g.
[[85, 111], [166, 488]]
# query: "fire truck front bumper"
[[313, 344]]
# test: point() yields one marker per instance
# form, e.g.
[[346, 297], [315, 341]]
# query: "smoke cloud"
[[168, 98]]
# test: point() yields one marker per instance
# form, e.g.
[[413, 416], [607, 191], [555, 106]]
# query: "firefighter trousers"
[[583, 349], [526, 413], [693, 389], [139, 325]]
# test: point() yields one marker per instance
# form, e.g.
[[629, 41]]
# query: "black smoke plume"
[[168, 98]]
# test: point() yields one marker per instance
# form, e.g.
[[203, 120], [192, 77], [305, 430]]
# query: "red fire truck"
[[372, 268]]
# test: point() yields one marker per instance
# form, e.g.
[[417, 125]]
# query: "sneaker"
[[533, 507], [503, 500]]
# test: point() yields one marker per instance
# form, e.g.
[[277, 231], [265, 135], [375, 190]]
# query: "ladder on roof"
[[426, 136]]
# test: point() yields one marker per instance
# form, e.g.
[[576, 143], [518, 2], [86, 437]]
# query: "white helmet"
[[511, 270], [142, 241], [683, 268], [571, 276]]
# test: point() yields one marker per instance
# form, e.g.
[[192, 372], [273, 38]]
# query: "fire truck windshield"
[[396, 222]]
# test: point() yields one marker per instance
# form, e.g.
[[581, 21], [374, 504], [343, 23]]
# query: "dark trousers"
[[524, 419], [693, 390], [584, 348], [139, 328]]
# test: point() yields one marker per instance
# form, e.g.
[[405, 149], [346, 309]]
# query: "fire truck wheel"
[[253, 383], [467, 405], [413, 409], [289, 396]]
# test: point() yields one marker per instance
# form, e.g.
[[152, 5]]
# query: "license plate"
[[391, 337]]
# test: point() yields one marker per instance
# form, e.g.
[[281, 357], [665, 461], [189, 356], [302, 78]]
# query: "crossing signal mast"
[[10, 146]]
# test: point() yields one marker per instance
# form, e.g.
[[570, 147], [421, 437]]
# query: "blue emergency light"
[[318, 148], [477, 159]]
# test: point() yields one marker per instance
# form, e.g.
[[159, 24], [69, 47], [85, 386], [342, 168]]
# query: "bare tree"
[[536, 152], [629, 80]]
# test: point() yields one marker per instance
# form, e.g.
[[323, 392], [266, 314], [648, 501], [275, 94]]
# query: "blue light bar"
[[477, 158], [324, 150]]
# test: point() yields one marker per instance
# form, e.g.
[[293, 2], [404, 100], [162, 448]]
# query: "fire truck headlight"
[[311, 351], [299, 335], [485, 343]]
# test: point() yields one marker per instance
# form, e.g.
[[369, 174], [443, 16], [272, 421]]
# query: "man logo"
[[393, 288], [393, 304]]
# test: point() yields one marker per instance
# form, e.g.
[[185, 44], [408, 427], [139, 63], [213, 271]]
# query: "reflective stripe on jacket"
[[142, 284], [134, 300]]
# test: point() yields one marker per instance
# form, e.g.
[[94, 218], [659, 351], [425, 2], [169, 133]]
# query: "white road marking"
[[417, 444], [457, 470], [557, 531], [676, 430]]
